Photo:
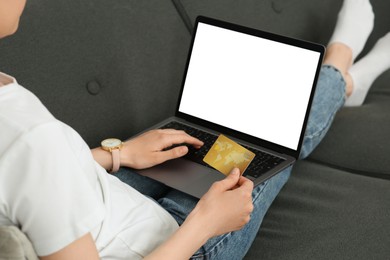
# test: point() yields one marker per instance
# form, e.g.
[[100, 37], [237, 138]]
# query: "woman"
[[70, 208]]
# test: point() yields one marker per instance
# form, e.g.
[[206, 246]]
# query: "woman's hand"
[[226, 206], [147, 150]]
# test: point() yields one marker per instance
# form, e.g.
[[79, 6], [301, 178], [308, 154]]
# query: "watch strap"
[[115, 160]]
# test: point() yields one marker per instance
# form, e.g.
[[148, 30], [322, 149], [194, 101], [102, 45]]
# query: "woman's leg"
[[329, 98], [144, 185], [358, 80], [354, 25], [335, 83], [364, 72], [333, 86], [233, 245]]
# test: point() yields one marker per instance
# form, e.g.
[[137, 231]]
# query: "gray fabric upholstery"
[[325, 213], [130, 54], [112, 68], [292, 18], [359, 139]]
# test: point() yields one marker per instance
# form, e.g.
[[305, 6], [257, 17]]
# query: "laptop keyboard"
[[262, 162]]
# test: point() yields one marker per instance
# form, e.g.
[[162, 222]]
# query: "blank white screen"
[[254, 85]]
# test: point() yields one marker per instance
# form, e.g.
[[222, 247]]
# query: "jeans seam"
[[265, 184], [215, 247]]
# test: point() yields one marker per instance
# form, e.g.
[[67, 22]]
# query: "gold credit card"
[[225, 154]]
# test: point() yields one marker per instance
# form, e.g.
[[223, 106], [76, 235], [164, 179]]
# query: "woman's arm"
[[82, 249], [224, 208], [147, 150]]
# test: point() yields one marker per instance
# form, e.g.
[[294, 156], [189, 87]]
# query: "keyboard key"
[[262, 163]]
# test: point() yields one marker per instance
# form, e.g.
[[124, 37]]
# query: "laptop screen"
[[251, 84]]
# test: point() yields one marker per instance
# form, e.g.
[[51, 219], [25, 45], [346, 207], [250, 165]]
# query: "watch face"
[[111, 142]]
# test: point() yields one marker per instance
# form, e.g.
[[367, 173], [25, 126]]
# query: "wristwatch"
[[113, 145]]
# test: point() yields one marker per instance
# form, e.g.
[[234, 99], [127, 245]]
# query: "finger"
[[170, 131], [191, 140], [230, 181], [245, 183], [182, 137], [235, 172], [170, 154]]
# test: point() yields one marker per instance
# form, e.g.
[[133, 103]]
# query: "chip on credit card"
[[225, 154]]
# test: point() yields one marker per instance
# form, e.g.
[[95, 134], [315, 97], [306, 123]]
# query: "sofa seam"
[[183, 15], [376, 175]]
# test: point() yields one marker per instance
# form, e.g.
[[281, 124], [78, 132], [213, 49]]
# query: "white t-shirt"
[[51, 187]]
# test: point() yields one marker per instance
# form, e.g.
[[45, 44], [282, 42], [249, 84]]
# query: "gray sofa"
[[114, 67]]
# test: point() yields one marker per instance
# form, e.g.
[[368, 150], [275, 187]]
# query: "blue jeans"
[[328, 99]]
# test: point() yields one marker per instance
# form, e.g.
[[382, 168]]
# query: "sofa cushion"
[[312, 20], [299, 19], [358, 140], [106, 68], [325, 213]]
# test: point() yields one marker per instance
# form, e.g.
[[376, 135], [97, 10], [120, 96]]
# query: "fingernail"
[[184, 150], [234, 171]]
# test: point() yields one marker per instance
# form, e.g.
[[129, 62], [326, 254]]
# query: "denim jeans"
[[328, 99]]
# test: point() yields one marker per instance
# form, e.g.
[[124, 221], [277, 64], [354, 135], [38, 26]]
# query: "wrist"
[[113, 146], [102, 157], [199, 225], [127, 156]]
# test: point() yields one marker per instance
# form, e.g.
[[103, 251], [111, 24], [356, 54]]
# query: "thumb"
[[232, 179]]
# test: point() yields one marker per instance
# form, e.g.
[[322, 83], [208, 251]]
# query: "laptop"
[[254, 87]]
